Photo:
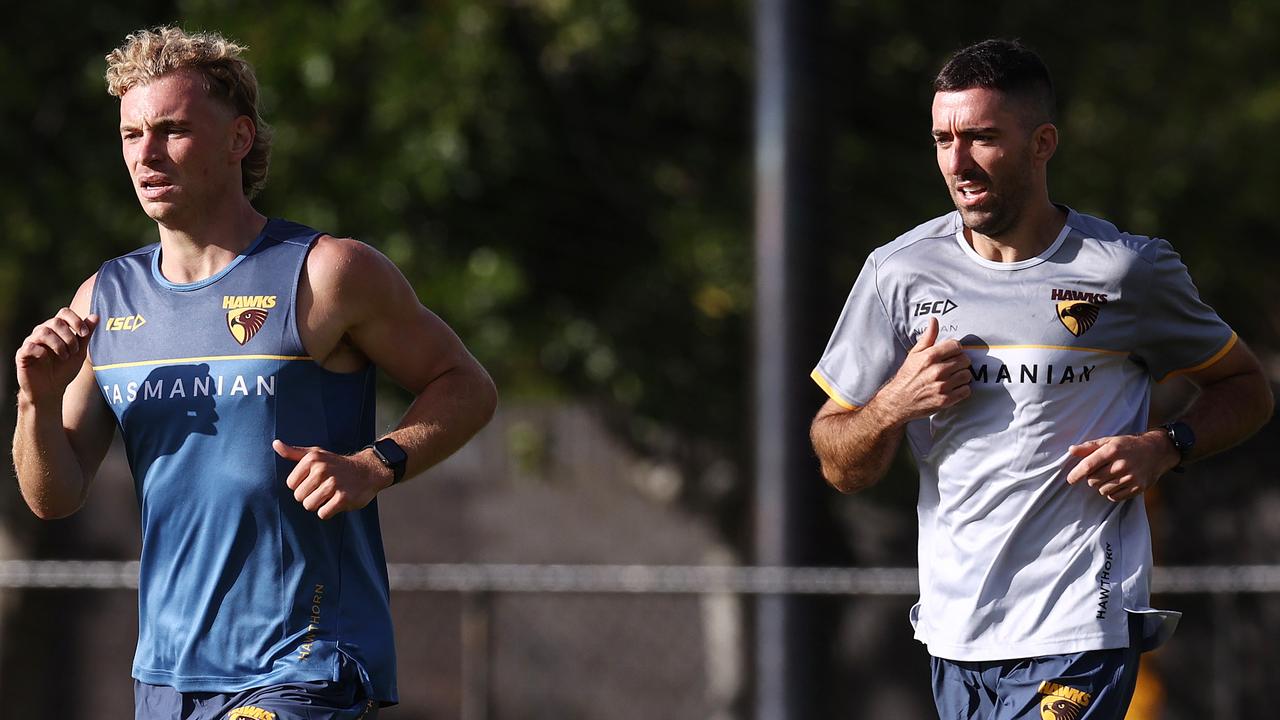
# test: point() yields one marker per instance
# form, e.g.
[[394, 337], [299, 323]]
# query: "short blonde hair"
[[150, 54]]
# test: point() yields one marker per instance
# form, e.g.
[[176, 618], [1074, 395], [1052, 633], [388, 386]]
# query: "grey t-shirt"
[[1014, 562]]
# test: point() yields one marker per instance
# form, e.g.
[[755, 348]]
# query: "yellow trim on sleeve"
[[1215, 358], [190, 360], [831, 392]]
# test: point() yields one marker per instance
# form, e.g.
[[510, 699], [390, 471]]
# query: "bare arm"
[[855, 446], [1235, 400], [357, 303], [64, 428], [454, 396]]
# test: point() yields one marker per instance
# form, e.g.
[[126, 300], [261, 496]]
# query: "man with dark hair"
[[237, 356], [1014, 343], [1009, 67]]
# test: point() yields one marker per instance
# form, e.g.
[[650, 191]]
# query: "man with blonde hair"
[[237, 357]]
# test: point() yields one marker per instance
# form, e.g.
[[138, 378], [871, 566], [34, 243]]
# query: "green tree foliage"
[[565, 182], [568, 182]]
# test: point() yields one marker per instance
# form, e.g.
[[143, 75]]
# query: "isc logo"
[[934, 307], [127, 322]]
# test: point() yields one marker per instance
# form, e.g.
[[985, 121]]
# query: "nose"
[[956, 159], [151, 147]]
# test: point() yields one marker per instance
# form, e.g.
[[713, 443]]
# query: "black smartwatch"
[[1183, 439], [390, 453]]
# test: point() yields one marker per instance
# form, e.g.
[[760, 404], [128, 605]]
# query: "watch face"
[[1183, 438], [391, 452]]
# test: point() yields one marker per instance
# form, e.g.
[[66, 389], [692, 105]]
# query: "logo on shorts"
[[246, 314], [1062, 702], [249, 712]]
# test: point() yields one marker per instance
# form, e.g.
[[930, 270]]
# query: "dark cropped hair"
[[1004, 65]]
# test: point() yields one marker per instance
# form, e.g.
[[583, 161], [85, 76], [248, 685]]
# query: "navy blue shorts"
[[345, 699], [1093, 685]]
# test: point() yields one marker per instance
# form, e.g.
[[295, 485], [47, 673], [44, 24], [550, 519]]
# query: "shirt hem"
[[218, 684], [988, 653]]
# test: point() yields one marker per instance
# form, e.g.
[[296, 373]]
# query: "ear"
[[243, 133], [1044, 142]]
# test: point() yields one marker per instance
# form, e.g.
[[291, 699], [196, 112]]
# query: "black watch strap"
[[1183, 439], [390, 453]]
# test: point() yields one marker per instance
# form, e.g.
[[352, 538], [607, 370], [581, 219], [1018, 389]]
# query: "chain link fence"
[[490, 642]]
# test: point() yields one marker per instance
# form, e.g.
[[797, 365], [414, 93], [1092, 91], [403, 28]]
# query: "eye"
[[942, 141]]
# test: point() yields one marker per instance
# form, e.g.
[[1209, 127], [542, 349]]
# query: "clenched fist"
[[53, 354], [934, 376]]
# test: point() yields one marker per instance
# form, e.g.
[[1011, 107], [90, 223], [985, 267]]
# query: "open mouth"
[[153, 187], [971, 194]]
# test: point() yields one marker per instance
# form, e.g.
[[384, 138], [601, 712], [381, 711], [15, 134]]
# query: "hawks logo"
[[246, 314], [1062, 702], [1077, 316], [1078, 310], [249, 712], [244, 324]]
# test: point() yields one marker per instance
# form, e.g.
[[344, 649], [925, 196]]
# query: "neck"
[[201, 246], [1034, 232]]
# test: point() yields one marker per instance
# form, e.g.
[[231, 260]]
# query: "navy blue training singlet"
[[240, 586]]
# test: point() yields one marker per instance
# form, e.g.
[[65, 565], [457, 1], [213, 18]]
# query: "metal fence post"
[[1226, 674], [788, 491], [477, 618]]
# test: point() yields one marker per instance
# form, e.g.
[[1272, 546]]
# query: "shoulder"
[[82, 302], [921, 238], [350, 280], [1106, 237], [347, 265], [139, 258]]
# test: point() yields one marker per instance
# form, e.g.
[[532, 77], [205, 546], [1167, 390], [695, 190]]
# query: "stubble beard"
[[1000, 213], [991, 222]]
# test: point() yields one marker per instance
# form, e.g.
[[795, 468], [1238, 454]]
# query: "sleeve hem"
[[1212, 359], [832, 392]]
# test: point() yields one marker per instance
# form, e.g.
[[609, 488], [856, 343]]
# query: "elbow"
[[46, 509], [1264, 406], [846, 480], [487, 401], [48, 501], [44, 513], [840, 469]]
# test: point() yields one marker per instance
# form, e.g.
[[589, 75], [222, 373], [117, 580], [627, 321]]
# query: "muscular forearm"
[[1229, 411], [51, 479], [855, 448], [1233, 403], [444, 416], [446, 413]]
